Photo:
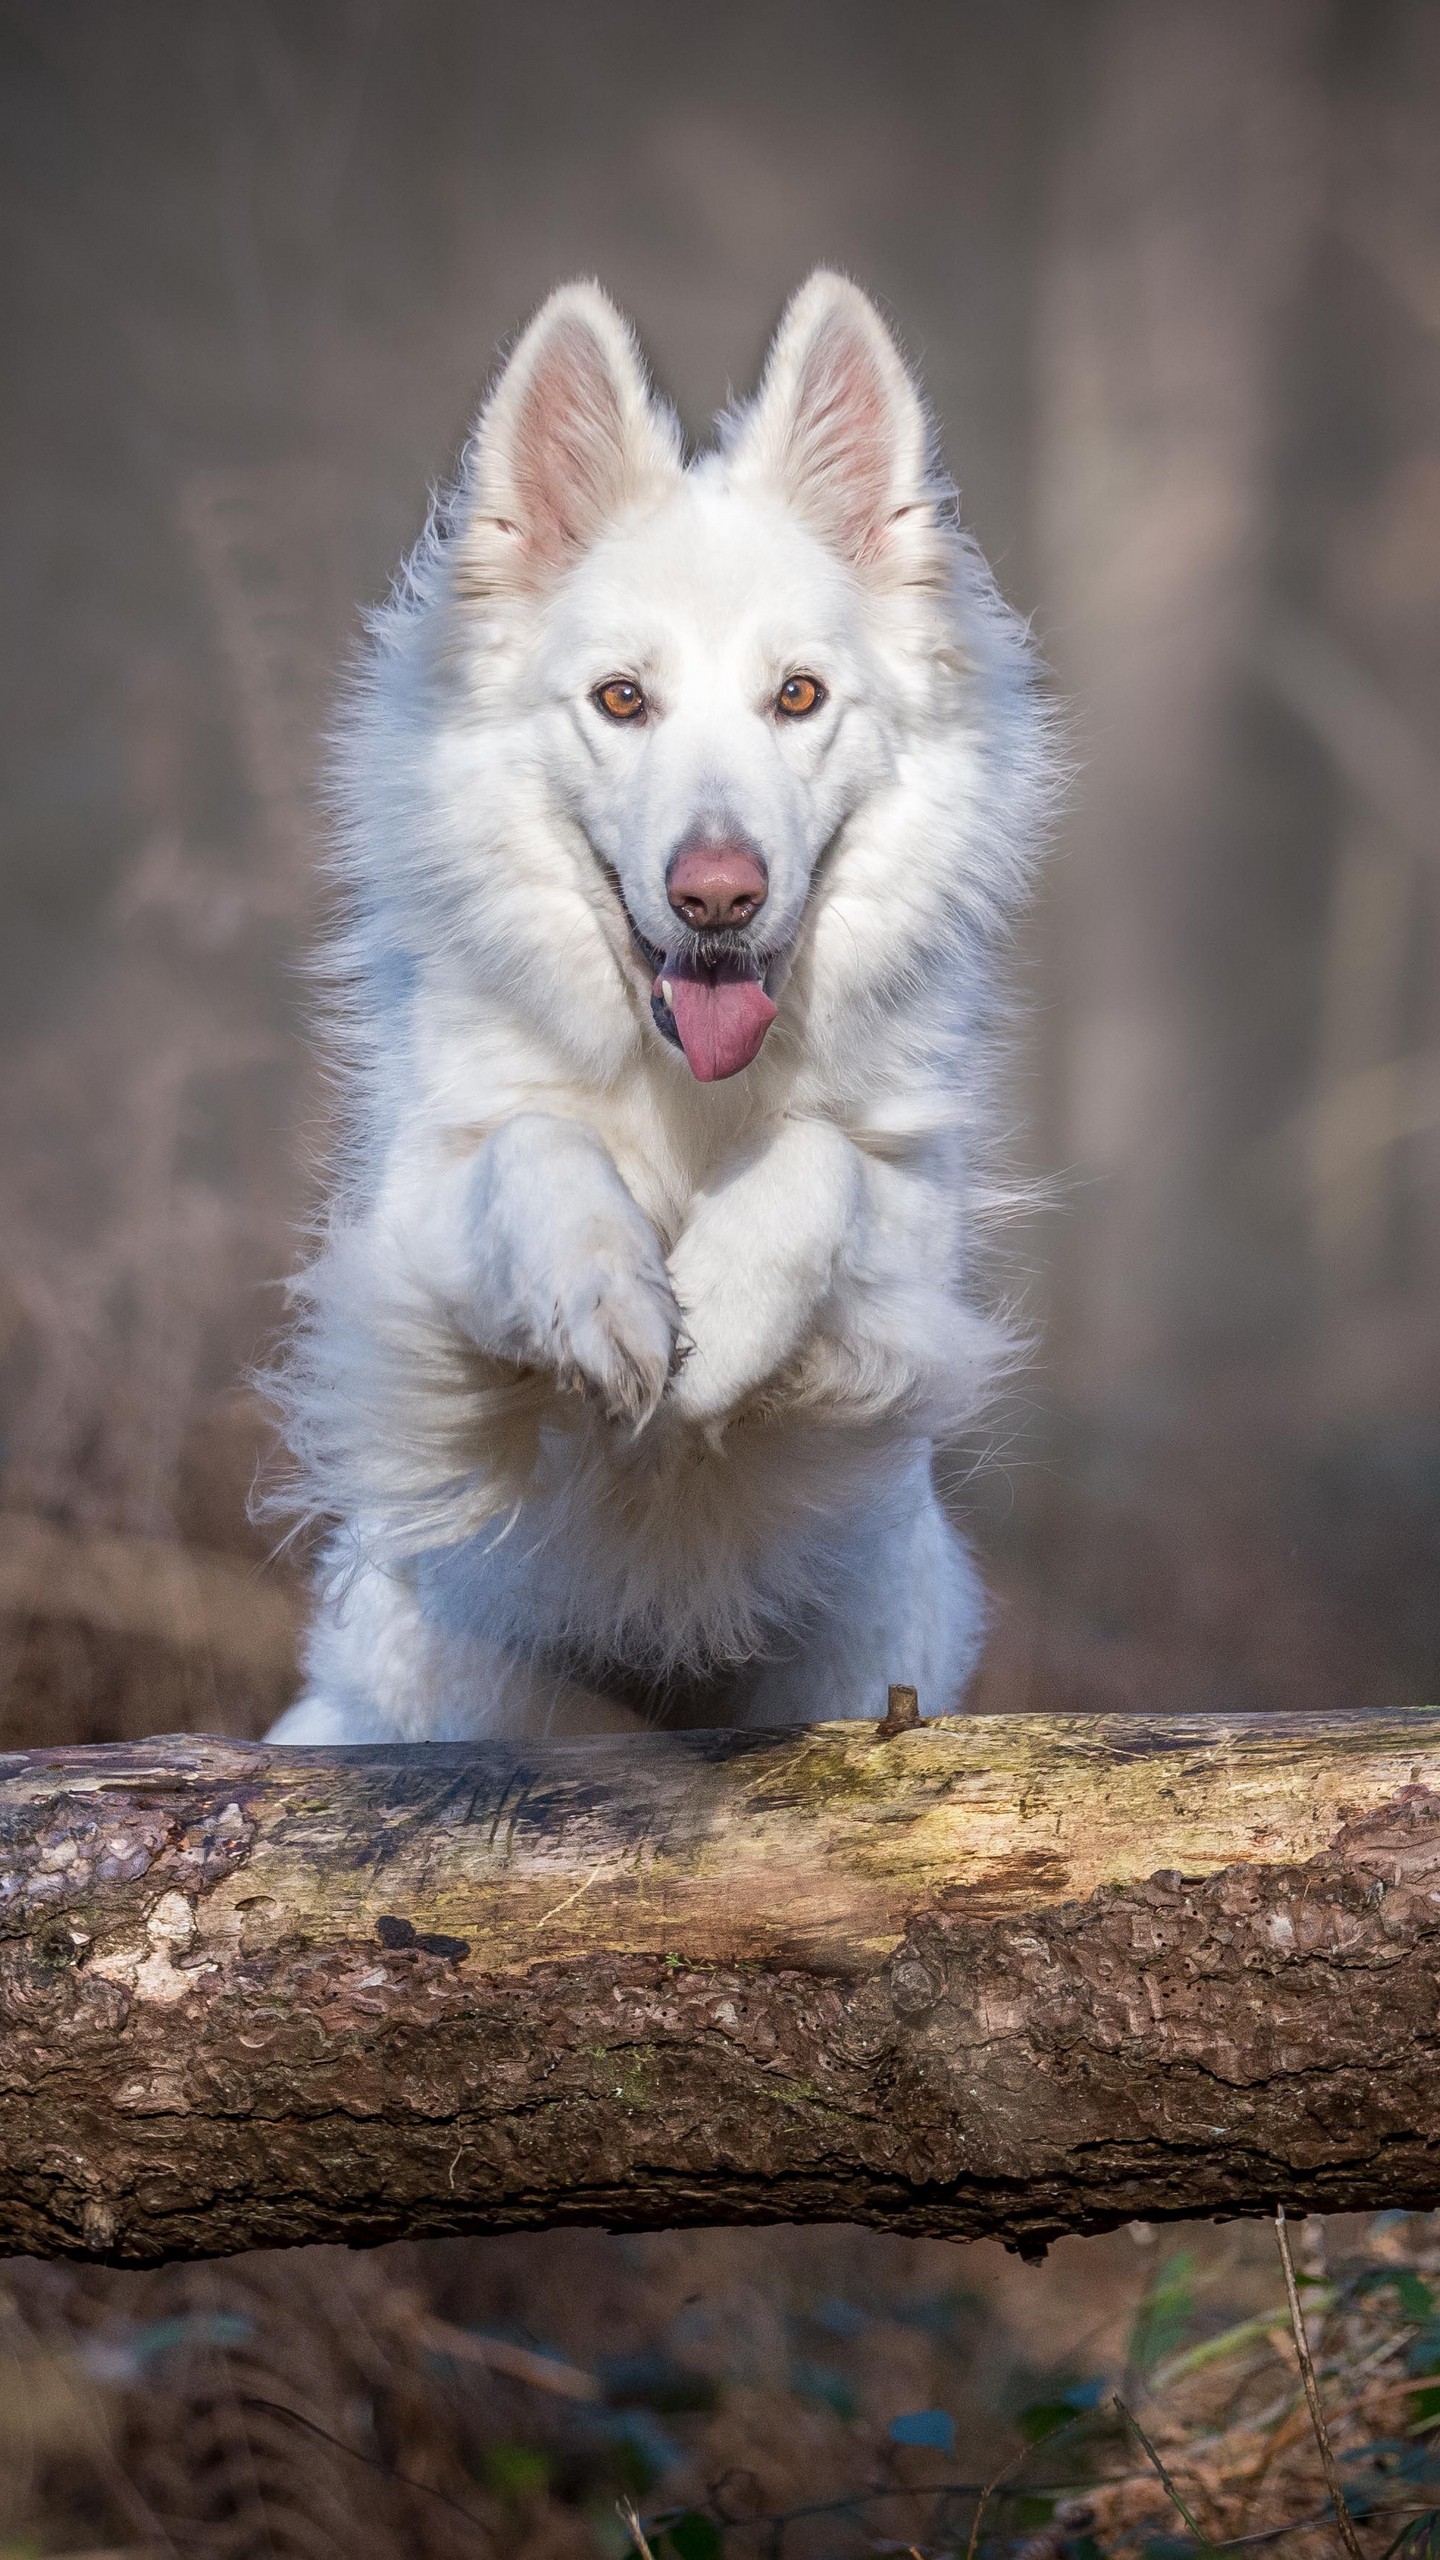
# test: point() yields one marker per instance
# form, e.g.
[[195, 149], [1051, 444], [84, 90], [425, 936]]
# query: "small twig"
[[902, 1712], [497, 2355], [988, 2492], [634, 2528], [1312, 2392], [1161, 2474], [279, 2409], [1013, 2465]]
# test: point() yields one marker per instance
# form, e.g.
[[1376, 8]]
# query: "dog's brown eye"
[[799, 694], [619, 699]]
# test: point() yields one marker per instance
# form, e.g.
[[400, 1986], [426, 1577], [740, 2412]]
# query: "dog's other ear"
[[839, 428], [570, 438]]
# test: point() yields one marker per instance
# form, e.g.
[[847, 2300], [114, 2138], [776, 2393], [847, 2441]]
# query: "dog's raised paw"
[[615, 1340]]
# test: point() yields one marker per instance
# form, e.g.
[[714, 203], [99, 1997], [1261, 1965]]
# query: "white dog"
[[685, 810]]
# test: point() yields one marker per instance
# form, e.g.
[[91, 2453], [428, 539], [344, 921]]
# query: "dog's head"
[[712, 666]]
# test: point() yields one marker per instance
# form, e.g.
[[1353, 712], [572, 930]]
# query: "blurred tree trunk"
[[1183, 211], [1356, 662]]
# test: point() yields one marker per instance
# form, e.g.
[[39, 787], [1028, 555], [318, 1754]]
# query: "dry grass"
[[806, 2394], [1228, 2416]]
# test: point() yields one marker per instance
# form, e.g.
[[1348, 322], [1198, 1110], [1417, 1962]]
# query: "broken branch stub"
[[1013, 1974]]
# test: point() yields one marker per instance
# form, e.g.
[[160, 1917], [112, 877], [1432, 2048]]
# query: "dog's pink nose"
[[717, 884]]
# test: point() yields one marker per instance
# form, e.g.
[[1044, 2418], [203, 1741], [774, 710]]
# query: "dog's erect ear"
[[838, 427], [571, 437]]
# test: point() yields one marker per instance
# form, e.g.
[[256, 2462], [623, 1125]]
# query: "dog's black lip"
[[654, 959], [665, 1022]]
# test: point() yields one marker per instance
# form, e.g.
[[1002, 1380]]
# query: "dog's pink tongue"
[[721, 1022]]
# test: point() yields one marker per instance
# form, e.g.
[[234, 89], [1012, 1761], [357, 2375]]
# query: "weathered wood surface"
[[1011, 1974]]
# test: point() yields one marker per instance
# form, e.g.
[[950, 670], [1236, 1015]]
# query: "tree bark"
[[1014, 1975]]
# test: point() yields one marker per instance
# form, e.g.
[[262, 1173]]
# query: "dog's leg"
[[547, 1259], [757, 1260], [383, 1668], [907, 1605]]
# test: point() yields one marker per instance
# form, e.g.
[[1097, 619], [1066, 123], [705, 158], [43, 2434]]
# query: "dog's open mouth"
[[716, 1010], [718, 1014]]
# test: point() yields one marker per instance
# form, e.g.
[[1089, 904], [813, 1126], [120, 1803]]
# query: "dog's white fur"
[[623, 1387]]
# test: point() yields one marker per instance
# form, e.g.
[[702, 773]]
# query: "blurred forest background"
[[1172, 271]]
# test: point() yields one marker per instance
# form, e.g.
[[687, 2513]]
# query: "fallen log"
[[1009, 1974]]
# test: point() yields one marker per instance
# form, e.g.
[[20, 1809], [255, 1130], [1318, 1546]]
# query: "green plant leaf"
[[515, 2470], [692, 2537], [1165, 2314]]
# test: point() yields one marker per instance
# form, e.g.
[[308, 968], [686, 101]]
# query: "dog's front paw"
[[727, 1352], [722, 1363], [700, 1392], [744, 1314], [614, 1336], [565, 1272]]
